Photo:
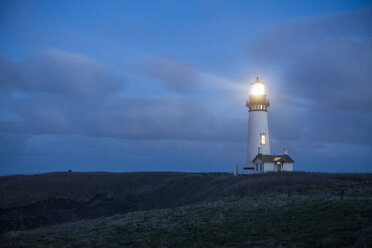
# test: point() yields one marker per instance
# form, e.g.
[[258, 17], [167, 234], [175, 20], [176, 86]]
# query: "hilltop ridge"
[[42, 200]]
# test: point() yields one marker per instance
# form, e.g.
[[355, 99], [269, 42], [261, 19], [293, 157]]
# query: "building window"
[[256, 166], [263, 139], [260, 166]]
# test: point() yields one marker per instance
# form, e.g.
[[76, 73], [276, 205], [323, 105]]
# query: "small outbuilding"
[[271, 163], [266, 163]]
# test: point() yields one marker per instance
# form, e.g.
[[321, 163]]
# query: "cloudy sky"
[[161, 85]]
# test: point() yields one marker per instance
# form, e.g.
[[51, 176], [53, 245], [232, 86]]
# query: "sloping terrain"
[[179, 209], [294, 221]]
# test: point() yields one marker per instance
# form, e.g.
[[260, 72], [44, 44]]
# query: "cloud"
[[162, 118], [61, 93], [324, 77], [325, 59], [59, 73], [174, 75]]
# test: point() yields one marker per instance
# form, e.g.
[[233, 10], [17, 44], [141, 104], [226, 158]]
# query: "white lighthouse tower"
[[258, 128]]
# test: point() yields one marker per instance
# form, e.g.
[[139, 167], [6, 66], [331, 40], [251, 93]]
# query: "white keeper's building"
[[266, 163]]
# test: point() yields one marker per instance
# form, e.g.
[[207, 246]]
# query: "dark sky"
[[161, 85]]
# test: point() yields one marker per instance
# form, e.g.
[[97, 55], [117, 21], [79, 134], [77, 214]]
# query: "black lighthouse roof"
[[274, 158]]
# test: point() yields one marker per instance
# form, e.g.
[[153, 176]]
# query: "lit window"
[[277, 158], [263, 139]]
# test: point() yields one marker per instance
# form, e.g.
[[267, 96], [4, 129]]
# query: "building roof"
[[257, 81], [274, 158]]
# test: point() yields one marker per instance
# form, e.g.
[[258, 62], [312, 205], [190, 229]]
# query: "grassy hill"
[[186, 210]]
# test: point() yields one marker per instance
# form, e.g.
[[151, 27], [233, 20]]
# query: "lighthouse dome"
[[257, 87]]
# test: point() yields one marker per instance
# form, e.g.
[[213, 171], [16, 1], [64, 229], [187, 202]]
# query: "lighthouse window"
[[263, 139]]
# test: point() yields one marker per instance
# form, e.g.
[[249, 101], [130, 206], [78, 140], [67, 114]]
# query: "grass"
[[176, 188], [295, 221], [186, 210]]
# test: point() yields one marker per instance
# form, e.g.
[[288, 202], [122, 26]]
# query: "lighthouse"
[[259, 158], [258, 128]]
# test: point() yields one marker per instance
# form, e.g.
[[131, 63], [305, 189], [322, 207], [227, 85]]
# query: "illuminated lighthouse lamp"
[[258, 88]]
